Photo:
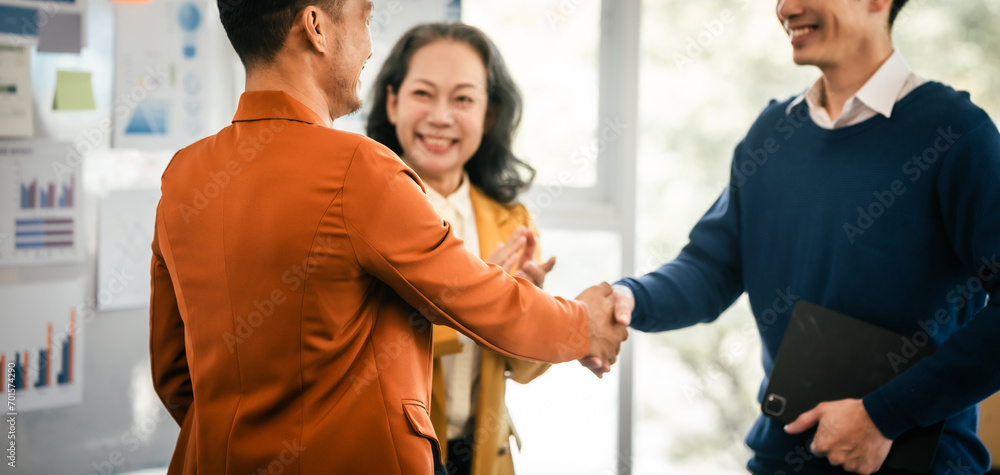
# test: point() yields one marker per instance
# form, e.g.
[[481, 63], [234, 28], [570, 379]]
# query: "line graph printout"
[[42, 344], [124, 248], [40, 205]]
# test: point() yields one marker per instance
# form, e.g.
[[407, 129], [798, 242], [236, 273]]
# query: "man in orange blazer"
[[296, 272]]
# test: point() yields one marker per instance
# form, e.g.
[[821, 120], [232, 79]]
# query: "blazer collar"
[[491, 212], [265, 105]]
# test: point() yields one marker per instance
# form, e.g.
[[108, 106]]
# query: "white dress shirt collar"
[[883, 89], [460, 201], [879, 95]]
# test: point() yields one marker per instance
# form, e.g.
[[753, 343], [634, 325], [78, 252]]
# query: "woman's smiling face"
[[440, 108]]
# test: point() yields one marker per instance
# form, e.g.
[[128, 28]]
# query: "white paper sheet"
[[123, 255], [40, 204], [41, 344], [160, 74], [16, 112]]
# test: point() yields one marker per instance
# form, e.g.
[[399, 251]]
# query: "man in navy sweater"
[[875, 193]]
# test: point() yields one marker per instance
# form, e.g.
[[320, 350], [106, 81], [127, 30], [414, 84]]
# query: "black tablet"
[[829, 356]]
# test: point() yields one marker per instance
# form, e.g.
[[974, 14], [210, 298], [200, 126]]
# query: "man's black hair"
[[257, 29]]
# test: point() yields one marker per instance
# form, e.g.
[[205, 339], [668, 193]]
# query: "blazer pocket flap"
[[419, 419]]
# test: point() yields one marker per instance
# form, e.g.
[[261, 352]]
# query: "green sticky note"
[[73, 91]]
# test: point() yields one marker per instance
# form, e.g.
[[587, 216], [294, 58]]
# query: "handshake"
[[609, 310]]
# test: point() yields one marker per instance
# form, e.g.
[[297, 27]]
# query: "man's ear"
[[882, 9], [312, 20], [878, 6], [391, 104]]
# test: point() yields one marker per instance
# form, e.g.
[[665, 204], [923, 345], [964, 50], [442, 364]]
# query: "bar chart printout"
[[40, 208], [42, 343]]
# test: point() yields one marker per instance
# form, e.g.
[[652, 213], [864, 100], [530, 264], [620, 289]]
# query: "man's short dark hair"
[[897, 5], [257, 29]]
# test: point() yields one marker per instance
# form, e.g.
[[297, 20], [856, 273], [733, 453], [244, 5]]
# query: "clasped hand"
[[845, 435], [609, 310]]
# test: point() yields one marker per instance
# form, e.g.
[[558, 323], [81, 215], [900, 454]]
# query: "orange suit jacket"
[[296, 270]]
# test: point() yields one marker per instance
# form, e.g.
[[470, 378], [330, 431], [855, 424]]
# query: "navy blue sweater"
[[896, 221]]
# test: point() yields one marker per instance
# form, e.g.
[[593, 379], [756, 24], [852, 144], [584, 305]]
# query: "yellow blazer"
[[491, 453]]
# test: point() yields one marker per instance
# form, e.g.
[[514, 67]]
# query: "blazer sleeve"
[[168, 357], [522, 371], [399, 239]]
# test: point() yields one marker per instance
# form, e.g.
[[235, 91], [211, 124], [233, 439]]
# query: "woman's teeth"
[[437, 142]]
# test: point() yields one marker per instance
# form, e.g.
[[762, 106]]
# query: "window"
[[551, 48]]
